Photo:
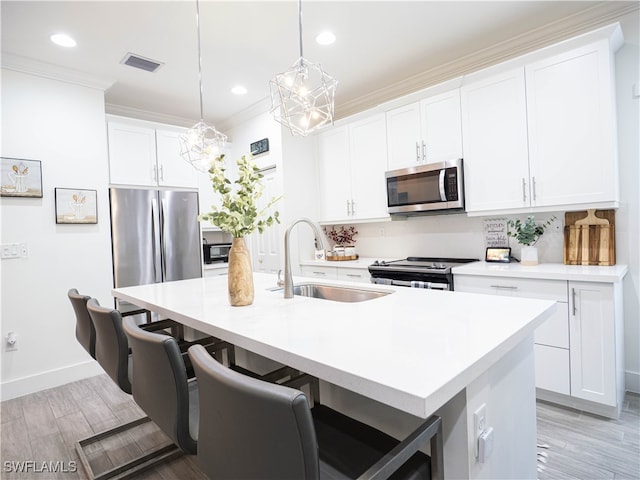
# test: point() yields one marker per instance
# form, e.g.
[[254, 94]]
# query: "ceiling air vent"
[[142, 63]]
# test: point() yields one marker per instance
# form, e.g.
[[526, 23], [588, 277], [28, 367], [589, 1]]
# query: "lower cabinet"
[[216, 272], [578, 351], [336, 273]]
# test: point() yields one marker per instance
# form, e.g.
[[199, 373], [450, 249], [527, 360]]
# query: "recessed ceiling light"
[[239, 90], [325, 38], [63, 40]]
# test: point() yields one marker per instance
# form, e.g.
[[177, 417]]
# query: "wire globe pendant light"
[[202, 143], [303, 97]]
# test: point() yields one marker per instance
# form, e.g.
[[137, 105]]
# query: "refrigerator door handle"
[[155, 232], [163, 259]]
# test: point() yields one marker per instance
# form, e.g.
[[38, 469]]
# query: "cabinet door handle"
[[573, 301], [524, 190], [424, 152], [417, 152], [533, 184], [154, 174], [348, 207], [353, 207], [161, 173], [504, 287]]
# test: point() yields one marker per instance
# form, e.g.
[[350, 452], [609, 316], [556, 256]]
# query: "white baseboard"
[[53, 378], [632, 381]]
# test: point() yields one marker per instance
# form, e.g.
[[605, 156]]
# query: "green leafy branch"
[[238, 211], [528, 232]]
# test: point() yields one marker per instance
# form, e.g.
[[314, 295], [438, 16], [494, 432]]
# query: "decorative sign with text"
[[495, 232]]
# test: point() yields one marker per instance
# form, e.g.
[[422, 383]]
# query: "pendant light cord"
[[300, 25], [200, 59]]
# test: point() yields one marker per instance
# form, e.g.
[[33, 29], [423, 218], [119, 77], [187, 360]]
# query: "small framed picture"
[[498, 254], [76, 205], [20, 178]]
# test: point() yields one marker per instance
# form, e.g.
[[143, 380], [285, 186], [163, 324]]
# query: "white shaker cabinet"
[[551, 338], [496, 158], [351, 167], [173, 170], [542, 133], [579, 352], [427, 131], [571, 120], [592, 323], [132, 154], [148, 154]]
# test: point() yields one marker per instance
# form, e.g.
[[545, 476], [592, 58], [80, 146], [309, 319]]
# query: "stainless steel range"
[[417, 272]]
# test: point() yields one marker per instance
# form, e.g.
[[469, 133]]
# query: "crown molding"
[[53, 72], [601, 14], [261, 106], [150, 116]]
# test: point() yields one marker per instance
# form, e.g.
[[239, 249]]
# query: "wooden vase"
[[240, 274]]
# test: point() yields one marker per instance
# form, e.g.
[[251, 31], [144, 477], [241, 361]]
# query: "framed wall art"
[[76, 205], [20, 178]]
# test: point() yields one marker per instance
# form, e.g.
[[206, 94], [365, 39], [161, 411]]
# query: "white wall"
[[63, 125]]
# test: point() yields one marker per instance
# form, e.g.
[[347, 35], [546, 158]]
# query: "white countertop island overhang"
[[412, 349]]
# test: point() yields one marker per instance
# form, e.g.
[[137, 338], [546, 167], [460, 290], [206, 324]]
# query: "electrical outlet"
[[479, 424], [11, 342]]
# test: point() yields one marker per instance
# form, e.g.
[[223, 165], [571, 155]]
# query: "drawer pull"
[[320, 273], [354, 275], [504, 287]]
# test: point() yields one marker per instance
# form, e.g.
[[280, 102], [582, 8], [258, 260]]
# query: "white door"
[[267, 246], [592, 337], [173, 170], [571, 128], [404, 143], [494, 135], [441, 127], [132, 154], [333, 174], [368, 161]]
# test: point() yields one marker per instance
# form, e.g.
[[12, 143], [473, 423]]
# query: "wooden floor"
[[43, 427]]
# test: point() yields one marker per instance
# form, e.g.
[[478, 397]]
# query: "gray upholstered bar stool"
[[112, 353], [161, 387], [253, 429]]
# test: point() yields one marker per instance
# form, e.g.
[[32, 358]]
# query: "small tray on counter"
[[342, 258]]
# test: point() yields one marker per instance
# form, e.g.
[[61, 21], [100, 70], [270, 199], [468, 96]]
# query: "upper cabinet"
[[147, 154], [496, 162], [542, 134], [571, 119], [427, 131], [351, 166]]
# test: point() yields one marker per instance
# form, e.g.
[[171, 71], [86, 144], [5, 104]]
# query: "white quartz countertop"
[[548, 271], [413, 349]]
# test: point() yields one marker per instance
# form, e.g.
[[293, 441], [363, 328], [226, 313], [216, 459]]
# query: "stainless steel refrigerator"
[[155, 236]]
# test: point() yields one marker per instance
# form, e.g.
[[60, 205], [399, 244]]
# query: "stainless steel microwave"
[[423, 189]]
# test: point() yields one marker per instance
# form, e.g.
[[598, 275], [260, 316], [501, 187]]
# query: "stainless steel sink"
[[335, 292]]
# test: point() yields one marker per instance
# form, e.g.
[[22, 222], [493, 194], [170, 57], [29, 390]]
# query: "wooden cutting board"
[[589, 238]]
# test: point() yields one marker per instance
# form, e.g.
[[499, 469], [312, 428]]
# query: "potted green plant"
[[238, 213], [527, 233]]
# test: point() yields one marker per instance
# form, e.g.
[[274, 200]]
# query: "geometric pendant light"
[[303, 97], [202, 143]]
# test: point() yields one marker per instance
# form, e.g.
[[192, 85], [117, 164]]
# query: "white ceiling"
[[380, 44]]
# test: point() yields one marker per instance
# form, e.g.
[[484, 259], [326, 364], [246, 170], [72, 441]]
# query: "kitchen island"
[[386, 361]]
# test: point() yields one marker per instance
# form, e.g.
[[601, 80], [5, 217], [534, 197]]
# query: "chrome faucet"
[[288, 280]]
